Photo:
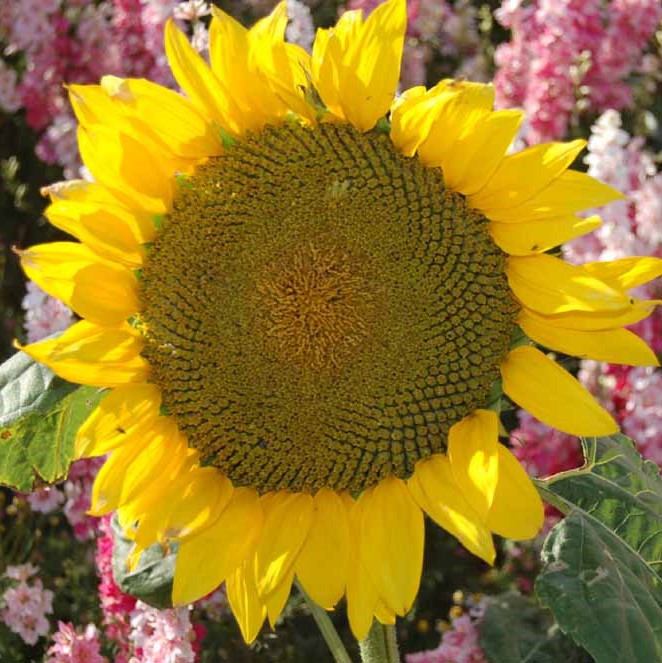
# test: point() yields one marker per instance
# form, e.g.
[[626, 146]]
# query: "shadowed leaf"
[[601, 563]]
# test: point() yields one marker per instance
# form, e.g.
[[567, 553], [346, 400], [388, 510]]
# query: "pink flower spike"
[[69, 646]]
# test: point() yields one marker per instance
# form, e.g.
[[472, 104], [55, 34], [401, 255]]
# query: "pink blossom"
[[642, 419], [44, 315], [426, 18], [25, 606], [78, 491], [300, 29], [58, 144], [647, 201], [415, 57], [631, 24], [10, 100], [565, 55], [21, 572], [191, 10], [115, 604], [138, 30], [543, 450], [459, 644], [45, 500], [162, 636], [215, 605], [69, 646], [635, 395], [23, 19]]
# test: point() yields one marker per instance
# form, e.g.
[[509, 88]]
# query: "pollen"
[[317, 308]]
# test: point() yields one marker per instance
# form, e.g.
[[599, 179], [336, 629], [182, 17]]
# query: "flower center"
[[318, 310]]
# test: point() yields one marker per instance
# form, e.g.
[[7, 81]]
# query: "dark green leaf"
[[514, 629], [27, 386], [151, 580], [601, 563], [39, 447]]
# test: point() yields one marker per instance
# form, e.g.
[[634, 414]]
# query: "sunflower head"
[[302, 294]]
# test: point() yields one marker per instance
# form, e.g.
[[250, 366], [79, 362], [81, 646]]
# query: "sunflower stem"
[[327, 628], [380, 645]]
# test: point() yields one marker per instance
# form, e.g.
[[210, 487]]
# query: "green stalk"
[[380, 645], [327, 628]]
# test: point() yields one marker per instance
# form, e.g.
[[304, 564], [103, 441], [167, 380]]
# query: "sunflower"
[[305, 296]]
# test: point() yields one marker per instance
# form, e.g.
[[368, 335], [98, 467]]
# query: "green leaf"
[[39, 447], [514, 629], [601, 563], [27, 386], [151, 579]]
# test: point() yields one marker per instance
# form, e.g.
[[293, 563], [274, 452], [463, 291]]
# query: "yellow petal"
[[95, 108], [517, 511], [414, 112], [206, 92], [228, 43], [247, 606], [105, 295], [549, 286], [107, 487], [199, 498], [98, 291], [206, 560], [112, 232], [267, 76], [389, 517], [626, 273], [123, 165], [120, 417], [532, 237], [408, 96], [168, 115], [522, 175], [617, 346], [569, 193], [133, 469], [478, 152], [91, 105], [271, 26], [540, 386], [277, 600], [93, 355], [82, 191], [462, 108], [433, 487], [286, 70], [287, 519], [384, 614], [326, 547], [229, 52], [451, 126], [472, 452], [323, 68], [145, 514], [591, 321], [362, 597], [356, 64]]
